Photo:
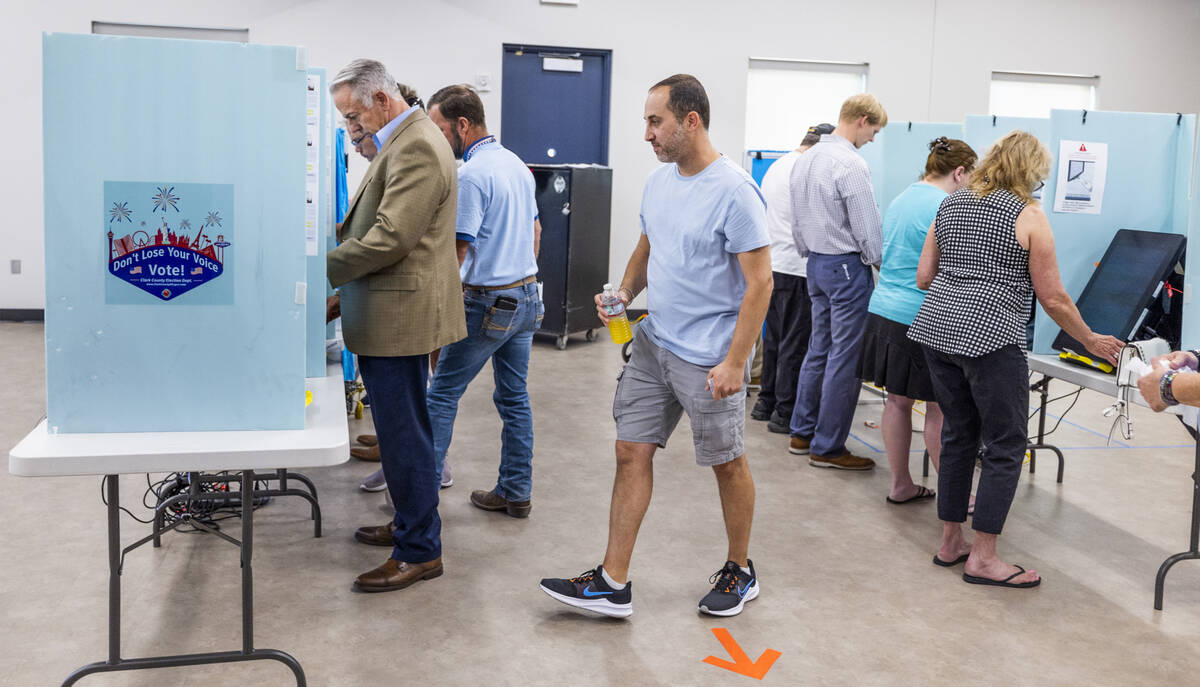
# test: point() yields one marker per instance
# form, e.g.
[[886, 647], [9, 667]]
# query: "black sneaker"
[[733, 588], [778, 427], [590, 592], [762, 410]]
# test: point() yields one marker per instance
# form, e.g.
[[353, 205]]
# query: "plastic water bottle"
[[618, 322]]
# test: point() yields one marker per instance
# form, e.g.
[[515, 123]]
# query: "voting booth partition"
[[1149, 173], [175, 247], [319, 211], [981, 131], [1149, 170], [185, 269], [898, 158], [1191, 325]]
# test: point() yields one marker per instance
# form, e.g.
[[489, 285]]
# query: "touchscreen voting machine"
[[1125, 296]]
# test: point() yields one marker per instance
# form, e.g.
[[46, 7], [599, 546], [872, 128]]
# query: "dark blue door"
[[554, 104]]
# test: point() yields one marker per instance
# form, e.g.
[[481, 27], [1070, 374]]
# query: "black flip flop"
[[971, 579], [950, 564], [921, 495]]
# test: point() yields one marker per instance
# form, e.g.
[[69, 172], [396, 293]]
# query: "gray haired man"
[[400, 298]]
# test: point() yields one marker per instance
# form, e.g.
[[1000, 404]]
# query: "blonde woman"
[[988, 250]]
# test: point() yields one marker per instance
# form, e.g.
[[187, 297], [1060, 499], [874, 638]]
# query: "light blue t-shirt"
[[496, 209], [696, 227], [905, 225]]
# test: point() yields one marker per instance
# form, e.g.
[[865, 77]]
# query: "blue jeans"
[[827, 389], [397, 389], [504, 336]]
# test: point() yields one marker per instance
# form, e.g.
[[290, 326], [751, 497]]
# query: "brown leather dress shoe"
[[846, 461], [376, 535], [490, 500], [799, 445], [370, 453], [394, 574], [367, 439]]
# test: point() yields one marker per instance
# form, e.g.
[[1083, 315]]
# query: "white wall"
[[930, 61]]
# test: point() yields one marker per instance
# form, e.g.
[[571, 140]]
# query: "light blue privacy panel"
[[1145, 163], [904, 152], [340, 200], [318, 144], [1189, 203], [981, 131], [203, 142], [873, 154]]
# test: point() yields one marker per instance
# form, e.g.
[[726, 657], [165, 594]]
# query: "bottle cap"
[[608, 287]]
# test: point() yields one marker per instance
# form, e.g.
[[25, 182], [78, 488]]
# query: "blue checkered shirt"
[[833, 205]]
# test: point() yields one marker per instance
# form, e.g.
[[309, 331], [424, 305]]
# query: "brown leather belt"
[[519, 282]]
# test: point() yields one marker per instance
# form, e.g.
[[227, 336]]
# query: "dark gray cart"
[[575, 208]]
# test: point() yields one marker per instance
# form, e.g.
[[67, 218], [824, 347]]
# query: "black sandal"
[[921, 495], [950, 564], [971, 579]]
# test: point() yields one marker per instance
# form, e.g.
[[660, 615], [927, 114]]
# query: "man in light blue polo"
[[497, 236]]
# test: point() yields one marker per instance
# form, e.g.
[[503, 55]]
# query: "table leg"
[[114, 569], [1192, 553], [247, 555], [1043, 388], [248, 652]]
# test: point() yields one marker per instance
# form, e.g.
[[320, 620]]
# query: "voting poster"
[[1082, 169]]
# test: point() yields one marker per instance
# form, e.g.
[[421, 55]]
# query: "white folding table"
[[322, 442]]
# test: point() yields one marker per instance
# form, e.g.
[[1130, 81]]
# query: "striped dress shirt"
[[833, 205]]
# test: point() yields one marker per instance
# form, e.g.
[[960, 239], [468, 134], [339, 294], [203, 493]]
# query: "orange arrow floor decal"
[[741, 663]]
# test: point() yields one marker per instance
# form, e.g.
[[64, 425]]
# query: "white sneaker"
[[374, 482]]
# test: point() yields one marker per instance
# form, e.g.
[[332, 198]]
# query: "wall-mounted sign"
[[166, 239]]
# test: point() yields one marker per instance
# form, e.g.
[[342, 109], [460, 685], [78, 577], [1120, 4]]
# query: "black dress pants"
[[785, 342], [984, 400]]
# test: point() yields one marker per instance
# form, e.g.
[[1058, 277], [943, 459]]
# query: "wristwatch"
[[1164, 387]]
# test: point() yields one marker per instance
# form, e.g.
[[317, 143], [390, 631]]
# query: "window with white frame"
[[1022, 94], [195, 33], [784, 97]]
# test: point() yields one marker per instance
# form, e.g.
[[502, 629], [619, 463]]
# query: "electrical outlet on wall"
[[15, 266], [483, 82]]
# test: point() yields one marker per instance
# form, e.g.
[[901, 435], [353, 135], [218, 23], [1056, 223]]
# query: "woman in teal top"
[[889, 358]]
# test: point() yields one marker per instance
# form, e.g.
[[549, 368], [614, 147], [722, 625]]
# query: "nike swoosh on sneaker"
[[587, 591], [742, 590]]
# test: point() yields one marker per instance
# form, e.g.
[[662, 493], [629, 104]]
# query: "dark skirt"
[[893, 361]]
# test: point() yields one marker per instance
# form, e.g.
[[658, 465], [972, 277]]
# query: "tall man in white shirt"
[[837, 226], [789, 319]]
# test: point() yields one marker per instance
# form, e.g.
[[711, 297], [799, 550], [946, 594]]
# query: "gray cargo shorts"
[[654, 390]]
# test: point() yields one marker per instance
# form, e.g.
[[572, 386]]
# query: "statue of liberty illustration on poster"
[[165, 240]]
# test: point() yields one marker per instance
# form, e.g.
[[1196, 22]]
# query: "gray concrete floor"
[[850, 596]]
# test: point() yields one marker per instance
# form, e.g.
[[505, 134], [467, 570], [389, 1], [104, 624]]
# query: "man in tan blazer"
[[399, 298]]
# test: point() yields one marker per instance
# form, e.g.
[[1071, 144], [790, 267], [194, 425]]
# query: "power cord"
[[1061, 415], [205, 511]]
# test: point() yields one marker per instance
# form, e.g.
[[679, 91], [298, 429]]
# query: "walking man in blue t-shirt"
[[704, 261], [497, 234]]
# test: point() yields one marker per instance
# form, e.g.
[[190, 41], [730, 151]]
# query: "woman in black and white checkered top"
[[990, 248]]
